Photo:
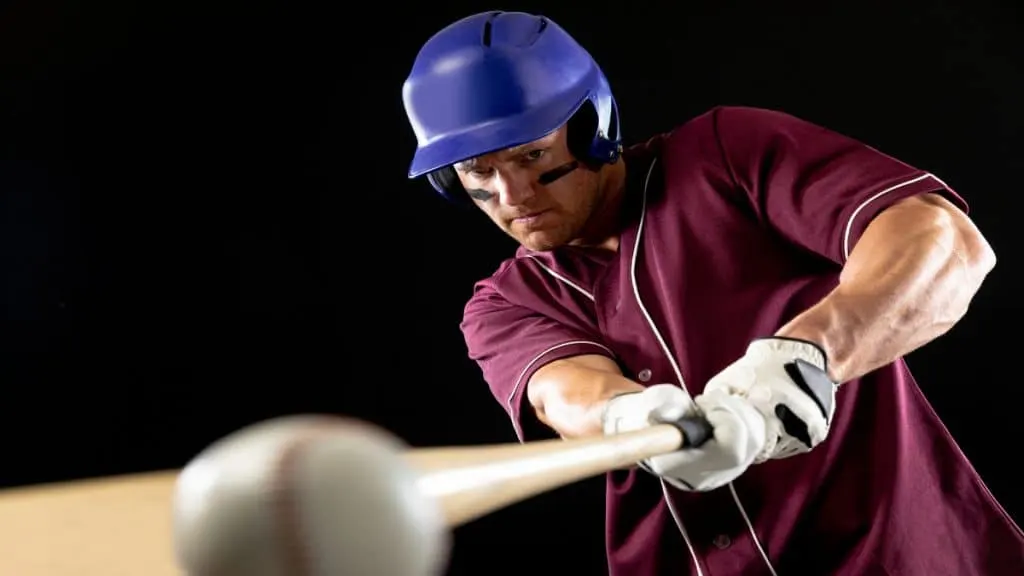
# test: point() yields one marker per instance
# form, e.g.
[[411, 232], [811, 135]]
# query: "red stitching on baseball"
[[287, 515]]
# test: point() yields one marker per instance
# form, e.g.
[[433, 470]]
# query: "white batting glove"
[[787, 381], [738, 434]]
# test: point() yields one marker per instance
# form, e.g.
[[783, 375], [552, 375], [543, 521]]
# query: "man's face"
[[507, 186]]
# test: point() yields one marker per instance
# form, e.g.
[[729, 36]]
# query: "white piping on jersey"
[[750, 526], [671, 358], [849, 223], [562, 278], [675, 367], [679, 374], [519, 380]]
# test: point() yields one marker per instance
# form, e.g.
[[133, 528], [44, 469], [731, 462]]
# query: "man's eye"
[[534, 155]]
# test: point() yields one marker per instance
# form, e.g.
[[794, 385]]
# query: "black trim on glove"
[[814, 382]]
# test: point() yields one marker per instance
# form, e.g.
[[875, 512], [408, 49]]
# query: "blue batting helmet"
[[500, 79]]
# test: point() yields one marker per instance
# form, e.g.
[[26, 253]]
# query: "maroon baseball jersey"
[[734, 223]]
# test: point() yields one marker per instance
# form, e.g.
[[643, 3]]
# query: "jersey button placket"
[[722, 542], [644, 375]]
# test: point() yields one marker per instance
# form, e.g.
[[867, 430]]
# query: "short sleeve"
[[817, 188], [511, 341]]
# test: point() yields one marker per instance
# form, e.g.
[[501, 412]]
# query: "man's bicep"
[[816, 188], [511, 342]]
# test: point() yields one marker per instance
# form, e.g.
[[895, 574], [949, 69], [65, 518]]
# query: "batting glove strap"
[[787, 380]]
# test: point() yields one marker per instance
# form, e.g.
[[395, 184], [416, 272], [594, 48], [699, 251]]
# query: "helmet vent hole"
[[540, 29], [487, 28], [487, 34]]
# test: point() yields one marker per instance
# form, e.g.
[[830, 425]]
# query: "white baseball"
[[306, 496]]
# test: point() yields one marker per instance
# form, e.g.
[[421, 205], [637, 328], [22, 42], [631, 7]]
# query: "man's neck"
[[602, 231]]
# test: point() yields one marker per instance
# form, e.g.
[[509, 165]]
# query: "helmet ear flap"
[[446, 181], [580, 131], [586, 143], [582, 139]]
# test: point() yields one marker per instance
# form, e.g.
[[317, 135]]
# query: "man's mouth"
[[530, 218]]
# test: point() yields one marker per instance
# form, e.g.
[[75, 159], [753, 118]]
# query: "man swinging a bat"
[[749, 267]]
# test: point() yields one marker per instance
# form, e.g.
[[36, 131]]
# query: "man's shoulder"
[[513, 273], [708, 122], [531, 279], [739, 119], [705, 135], [694, 131]]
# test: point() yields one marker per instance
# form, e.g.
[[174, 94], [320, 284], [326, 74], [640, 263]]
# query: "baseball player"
[[748, 266]]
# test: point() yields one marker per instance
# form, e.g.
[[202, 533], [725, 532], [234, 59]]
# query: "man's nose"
[[514, 188]]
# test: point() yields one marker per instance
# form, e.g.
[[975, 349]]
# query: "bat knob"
[[696, 431], [306, 496]]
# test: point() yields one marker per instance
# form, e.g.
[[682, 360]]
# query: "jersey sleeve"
[[817, 188], [510, 339]]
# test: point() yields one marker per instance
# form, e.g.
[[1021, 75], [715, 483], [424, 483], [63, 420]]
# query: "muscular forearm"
[[909, 279], [569, 395]]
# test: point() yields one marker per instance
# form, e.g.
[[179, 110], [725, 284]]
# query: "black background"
[[206, 220]]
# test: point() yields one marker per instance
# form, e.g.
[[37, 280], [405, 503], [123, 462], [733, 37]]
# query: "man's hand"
[[738, 434], [787, 381]]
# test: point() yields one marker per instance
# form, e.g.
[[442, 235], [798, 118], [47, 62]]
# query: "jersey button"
[[644, 375], [722, 541]]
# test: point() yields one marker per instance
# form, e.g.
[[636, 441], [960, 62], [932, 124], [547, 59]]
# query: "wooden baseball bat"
[[103, 527], [122, 526], [470, 482]]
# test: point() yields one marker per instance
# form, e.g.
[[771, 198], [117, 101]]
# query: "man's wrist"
[[831, 359], [833, 324], [802, 348]]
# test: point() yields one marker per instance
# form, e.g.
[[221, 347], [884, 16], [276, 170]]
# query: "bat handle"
[[696, 431]]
